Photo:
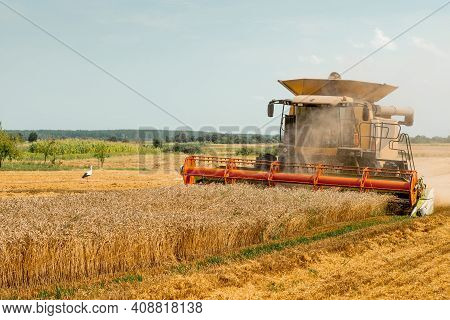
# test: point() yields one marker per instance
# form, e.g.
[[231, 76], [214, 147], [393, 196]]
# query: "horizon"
[[174, 130]]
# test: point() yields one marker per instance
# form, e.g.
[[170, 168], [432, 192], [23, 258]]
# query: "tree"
[[157, 143], [180, 136], [47, 148], [201, 138], [32, 137], [55, 149], [19, 137], [101, 152], [214, 137], [8, 147]]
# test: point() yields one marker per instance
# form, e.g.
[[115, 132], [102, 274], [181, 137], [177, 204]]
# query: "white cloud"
[[313, 59], [428, 46], [381, 39]]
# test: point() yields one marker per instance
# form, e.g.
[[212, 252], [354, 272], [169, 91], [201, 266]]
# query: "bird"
[[88, 173]]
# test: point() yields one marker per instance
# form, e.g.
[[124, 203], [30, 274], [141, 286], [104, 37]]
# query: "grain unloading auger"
[[332, 134]]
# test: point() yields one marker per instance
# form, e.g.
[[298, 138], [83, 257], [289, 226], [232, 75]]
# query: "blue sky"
[[211, 63]]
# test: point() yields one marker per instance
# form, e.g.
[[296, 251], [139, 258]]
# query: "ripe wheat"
[[68, 237]]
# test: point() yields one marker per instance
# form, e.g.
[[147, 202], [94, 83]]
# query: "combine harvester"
[[332, 134]]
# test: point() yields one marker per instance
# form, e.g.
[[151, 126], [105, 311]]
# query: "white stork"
[[88, 173]]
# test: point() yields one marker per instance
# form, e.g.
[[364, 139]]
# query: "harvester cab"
[[332, 134]]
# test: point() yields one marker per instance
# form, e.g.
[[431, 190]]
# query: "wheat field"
[[68, 237]]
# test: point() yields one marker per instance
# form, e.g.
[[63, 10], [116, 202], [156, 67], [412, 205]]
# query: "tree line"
[[147, 135], [170, 136], [424, 139]]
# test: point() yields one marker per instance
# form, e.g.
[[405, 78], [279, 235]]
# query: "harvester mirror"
[[270, 108], [365, 115]]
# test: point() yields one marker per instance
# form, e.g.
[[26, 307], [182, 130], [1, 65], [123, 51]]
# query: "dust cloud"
[[321, 128], [436, 173]]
